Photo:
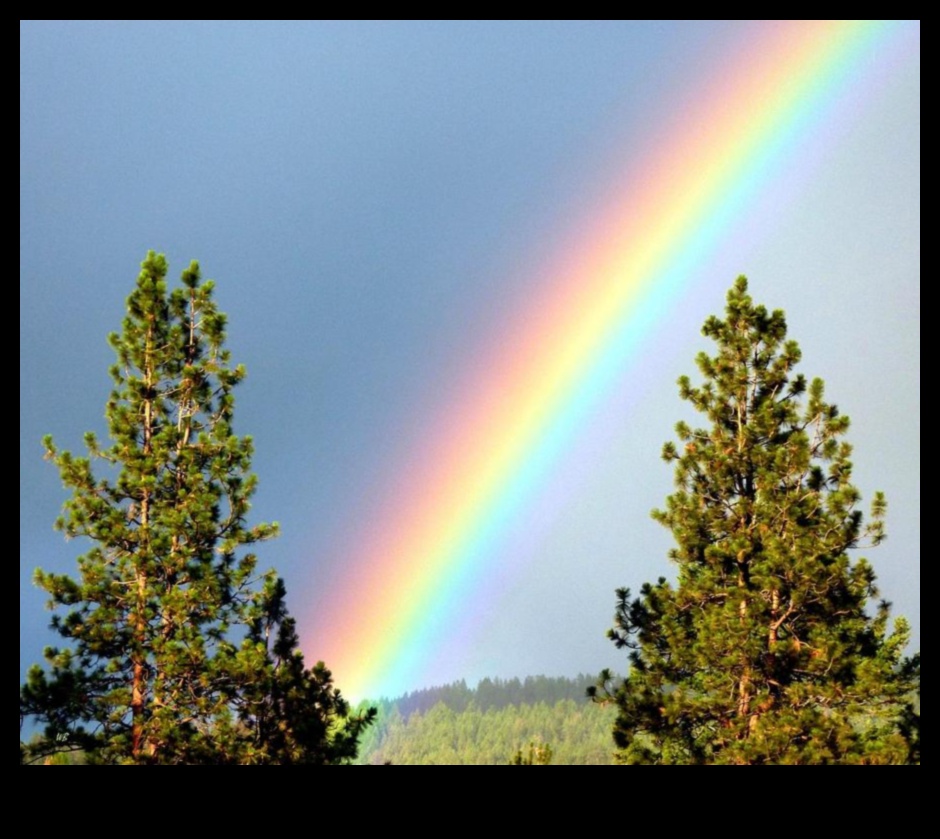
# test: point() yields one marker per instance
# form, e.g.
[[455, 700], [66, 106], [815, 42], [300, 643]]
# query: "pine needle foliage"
[[177, 649], [766, 649]]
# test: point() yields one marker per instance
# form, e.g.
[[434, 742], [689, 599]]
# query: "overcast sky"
[[371, 198]]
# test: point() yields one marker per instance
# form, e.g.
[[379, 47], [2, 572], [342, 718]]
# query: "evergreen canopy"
[[178, 650], [763, 651]]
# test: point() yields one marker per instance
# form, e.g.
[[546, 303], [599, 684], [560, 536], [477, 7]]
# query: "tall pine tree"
[[178, 650], [764, 651]]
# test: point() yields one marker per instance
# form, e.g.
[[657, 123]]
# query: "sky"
[[464, 264]]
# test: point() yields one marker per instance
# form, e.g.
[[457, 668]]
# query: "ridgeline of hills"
[[489, 724]]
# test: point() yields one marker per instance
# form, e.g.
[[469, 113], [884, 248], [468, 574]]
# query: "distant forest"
[[489, 724]]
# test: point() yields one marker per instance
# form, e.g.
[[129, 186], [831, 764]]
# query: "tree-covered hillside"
[[455, 724]]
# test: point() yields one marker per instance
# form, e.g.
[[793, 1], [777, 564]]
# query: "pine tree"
[[763, 651], [538, 754], [178, 650], [290, 715]]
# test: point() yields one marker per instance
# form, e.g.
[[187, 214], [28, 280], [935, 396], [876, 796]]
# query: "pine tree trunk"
[[138, 689]]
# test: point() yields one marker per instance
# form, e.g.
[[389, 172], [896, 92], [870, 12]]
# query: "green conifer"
[[763, 651], [178, 650]]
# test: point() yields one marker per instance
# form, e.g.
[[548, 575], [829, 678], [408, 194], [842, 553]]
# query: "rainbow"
[[520, 408]]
